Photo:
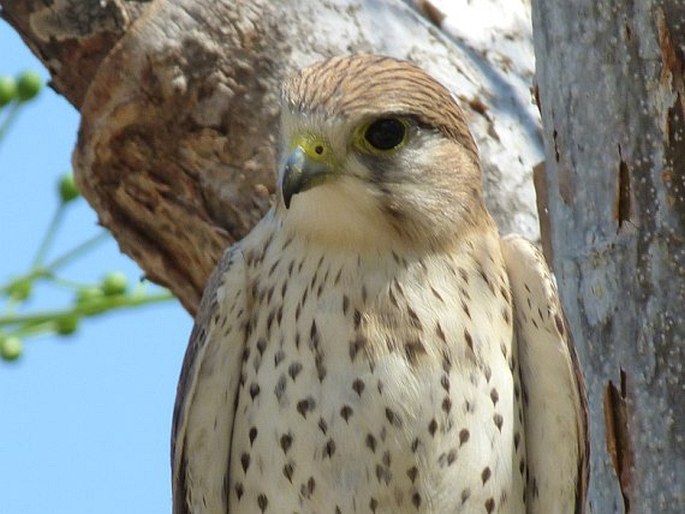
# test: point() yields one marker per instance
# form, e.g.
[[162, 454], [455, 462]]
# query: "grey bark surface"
[[610, 79], [179, 103]]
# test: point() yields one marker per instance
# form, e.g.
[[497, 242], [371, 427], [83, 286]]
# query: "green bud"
[[67, 325], [114, 283], [29, 85], [20, 290], [11, 348], [8, 90], [88, 294], [67, 188]]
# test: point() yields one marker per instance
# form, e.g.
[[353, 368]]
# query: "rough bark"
[[176, 149], [611, 88]]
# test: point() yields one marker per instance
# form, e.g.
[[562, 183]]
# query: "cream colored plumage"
[[372, 345]]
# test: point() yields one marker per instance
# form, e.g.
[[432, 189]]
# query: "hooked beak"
[[302, 171]]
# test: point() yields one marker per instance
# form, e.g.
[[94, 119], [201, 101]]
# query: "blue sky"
[[84, 420]]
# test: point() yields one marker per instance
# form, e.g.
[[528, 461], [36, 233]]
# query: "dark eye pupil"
[[385, 133]]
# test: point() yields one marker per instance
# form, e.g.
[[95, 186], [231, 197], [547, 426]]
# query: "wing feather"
[[555, 403], [203, 414]]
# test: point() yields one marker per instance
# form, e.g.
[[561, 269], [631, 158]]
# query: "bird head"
[[373, 148]]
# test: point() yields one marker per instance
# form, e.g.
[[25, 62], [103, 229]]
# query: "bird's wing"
[[554, 400], [203, 414]]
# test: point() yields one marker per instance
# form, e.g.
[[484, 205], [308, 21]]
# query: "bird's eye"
[[385, 133]]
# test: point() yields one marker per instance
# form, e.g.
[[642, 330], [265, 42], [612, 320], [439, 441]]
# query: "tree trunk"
[[610, 79], [179, 105]]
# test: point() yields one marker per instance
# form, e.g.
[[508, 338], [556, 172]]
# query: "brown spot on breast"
[[263, 502], [286, 442], [261, 346], [494, 396], [346, 412], [498, 420], [487, 372], [446, 361], [323, 426], [288, 471], [465, 308], [485, 474], [278, 357], [416, 500], [357, 344], [371, 442], [358, 386], [468, 339], [415, 445], [329, 448], [383, 474], [439, 332], [305, 406], [254, 390], [413, 350], [414, 319], [392, 417], [446, 404], [279, 390], [463, 436], [294, 370], [464, 276], [245, 461], [307, 489], [321, 370], [373, 504]]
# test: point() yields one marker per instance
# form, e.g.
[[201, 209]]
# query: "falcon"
[[373, 345]]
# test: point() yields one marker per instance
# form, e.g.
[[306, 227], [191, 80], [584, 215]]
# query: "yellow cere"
[[315, 147]]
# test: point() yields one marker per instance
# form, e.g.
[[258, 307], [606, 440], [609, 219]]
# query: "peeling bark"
[[610, 80], [176, 150], [618, 440]]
